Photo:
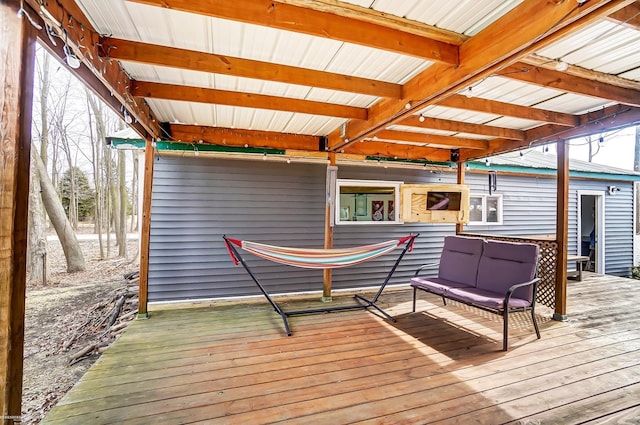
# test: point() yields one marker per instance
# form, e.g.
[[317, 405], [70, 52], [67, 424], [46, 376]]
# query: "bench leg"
[[535, 322], [415, 290], [505, 332]]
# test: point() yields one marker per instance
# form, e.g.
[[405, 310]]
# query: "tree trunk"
[[98, 165], [37, 242], [68, 240], [122, 248]]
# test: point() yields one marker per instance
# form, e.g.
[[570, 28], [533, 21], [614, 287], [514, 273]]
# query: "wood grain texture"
[[231, 363], [17, 56]]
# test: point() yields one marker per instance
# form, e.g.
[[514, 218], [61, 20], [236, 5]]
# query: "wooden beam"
[[247, 100], [66, 19], [460, 180], [570, 83], [381, 18], [562, 230], [589, 74], [244, 138], [628, 16], [145, 231], [173, 57], [432, 139], [302, 19], [509, 109], [607, 119], [328, 231], [503, 42], [17, 58], [462, 127], [391, 150]]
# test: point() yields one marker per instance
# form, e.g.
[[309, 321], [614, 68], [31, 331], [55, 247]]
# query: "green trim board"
[[477, 166]]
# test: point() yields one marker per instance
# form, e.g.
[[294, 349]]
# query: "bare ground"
[[63, 316]]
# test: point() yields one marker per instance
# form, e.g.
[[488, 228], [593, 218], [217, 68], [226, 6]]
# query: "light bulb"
[[421, 119], [469, 93], [264, 156], [127, 118], [561, 66]]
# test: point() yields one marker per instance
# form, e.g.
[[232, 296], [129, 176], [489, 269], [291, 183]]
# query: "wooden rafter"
[[248, 100], [294, 17], [606, 119], [219, 64], [509, 109], [242, 138], [589, 74], [629, 16], [431, 139], [609, 118], [69, 23], [559, 80], [387, 150], [462, 127], [498, 45]]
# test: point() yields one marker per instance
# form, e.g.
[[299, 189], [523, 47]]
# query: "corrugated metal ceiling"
[[155, 25]]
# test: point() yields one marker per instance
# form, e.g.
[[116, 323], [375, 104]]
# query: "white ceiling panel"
[[573, 104], [511, 91]]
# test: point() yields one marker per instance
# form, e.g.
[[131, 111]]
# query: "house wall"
[[196, 201]]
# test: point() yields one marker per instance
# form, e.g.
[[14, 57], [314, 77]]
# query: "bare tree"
[[66, 235], [122, 189], [37, 238]]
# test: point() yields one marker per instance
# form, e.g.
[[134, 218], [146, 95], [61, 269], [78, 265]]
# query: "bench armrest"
[[533, 282], [424, 267]]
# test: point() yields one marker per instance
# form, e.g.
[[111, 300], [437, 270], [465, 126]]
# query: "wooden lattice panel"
[[546, 266]]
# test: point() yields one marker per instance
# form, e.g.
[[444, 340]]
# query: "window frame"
[[395, 185], [484, 221]]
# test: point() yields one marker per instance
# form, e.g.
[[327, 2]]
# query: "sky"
[[616, 151]]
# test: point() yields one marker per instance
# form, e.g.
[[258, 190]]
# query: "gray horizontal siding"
[[197, 200]]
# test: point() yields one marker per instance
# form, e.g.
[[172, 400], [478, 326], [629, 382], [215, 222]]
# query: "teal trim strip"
[[190, 147]]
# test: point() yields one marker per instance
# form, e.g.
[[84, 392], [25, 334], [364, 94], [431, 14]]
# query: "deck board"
[[232, 364]]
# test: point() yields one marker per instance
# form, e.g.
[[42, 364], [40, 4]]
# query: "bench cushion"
[[485, 298], [436, 285], [460, 258], [504, 264]]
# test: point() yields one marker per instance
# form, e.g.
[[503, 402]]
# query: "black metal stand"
[[362, 301]]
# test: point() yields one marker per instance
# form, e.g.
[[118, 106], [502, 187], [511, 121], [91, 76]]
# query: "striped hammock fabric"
[[317, 258]]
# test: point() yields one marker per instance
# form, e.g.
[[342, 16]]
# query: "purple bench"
[[498, 277]]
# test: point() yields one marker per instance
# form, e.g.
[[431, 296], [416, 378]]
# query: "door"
[[591, 229]]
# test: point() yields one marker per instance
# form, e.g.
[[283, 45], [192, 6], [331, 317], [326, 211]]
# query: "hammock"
[[317, 258]]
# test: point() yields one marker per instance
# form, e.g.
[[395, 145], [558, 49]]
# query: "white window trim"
[[369, 183], [484, 221]]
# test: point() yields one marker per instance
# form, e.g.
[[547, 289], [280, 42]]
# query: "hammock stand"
[[313, 259]]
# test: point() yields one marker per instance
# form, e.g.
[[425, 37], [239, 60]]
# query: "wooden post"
[[328, 238], [145, 230], [17, 56], [461, 174], [562, 226]]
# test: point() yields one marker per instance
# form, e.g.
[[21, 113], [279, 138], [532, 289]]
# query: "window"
[[485, 209], [367, 202]]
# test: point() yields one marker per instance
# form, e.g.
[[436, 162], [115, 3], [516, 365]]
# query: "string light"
[[421, 118], [469, 93], [561, 66]]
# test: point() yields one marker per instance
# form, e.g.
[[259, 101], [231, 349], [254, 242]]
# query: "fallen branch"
[[81, 354]]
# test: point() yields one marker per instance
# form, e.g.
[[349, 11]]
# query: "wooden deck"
[[233, 364]]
